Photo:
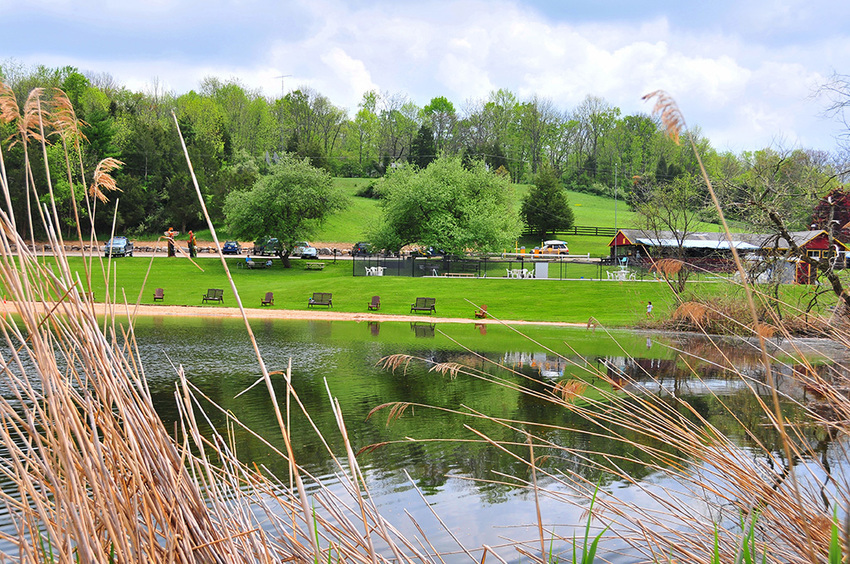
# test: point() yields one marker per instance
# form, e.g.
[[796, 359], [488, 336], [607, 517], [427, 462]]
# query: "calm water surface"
[[457, 479]]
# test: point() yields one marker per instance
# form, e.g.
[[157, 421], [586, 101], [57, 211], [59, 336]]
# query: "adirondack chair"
[[268, 300], [159, 294], [375, 303]]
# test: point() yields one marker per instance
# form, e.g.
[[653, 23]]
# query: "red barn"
[[713, 251]]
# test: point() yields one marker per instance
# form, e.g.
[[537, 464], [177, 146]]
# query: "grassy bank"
[[610, 303]]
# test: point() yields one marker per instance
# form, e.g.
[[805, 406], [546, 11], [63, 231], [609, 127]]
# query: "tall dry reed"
[[89, 472], [706, 489]]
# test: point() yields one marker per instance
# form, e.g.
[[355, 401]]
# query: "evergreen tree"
[[546, 207], [423, 151]]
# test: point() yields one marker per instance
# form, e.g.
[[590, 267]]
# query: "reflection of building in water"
[[736, 371], [547, 366], [672, 376]]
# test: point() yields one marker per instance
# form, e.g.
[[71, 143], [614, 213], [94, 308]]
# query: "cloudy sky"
[[744, 71]]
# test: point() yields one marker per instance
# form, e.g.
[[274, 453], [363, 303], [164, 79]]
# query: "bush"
[[369, 191]]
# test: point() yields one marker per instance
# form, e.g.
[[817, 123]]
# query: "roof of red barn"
[[741, 241]]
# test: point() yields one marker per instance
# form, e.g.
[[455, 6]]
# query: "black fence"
[[561, 268], [583, 230], [473, 267]]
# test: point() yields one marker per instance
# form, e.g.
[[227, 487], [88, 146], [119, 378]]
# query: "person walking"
[[192, 252], [649, 309]]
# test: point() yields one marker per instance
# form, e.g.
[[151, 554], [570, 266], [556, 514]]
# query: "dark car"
[[118, 247], [267, 246], [427, 252], [361, 249], [231, 248]]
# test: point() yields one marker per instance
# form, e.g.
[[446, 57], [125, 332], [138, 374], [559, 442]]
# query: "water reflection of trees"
[[521, 391]]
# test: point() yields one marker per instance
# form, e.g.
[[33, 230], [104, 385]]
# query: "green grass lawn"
[[611, 303]]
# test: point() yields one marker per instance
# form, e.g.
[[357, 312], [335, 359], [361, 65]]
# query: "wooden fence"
[[583, 230]]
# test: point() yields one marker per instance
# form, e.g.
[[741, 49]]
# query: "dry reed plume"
[[667, 267], [91, 475], [706, 488]]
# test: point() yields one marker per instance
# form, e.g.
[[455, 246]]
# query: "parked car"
[[361, 249], [309, 253], [118, 246], [555, 247], [299, 248], [427, 252], [231, 248], [267, 246]]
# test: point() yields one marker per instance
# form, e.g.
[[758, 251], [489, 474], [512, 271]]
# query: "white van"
[[555, 247]]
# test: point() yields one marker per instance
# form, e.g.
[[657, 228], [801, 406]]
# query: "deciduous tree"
[[447, 206], [673, 210], [289, 203]]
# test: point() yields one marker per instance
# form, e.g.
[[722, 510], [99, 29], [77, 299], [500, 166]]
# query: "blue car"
[[118, 247], [231, 248]]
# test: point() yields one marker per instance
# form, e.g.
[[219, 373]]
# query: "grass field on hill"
[[611, 303], [354, 222]]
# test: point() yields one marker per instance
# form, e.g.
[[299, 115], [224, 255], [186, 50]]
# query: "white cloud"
[[352, 72], [742, 71]]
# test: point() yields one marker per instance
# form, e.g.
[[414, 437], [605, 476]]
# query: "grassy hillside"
[[353, 223]]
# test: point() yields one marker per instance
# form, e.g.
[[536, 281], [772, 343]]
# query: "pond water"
[[469, 484], [463, 482]]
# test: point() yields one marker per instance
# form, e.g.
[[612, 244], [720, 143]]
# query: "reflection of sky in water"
[[218, 357]]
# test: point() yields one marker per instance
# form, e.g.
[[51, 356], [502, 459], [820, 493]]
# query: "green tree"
[[289, 203], [441, 118], [673, 210], [546, 207], [366, 130], [447, 206], [423, 152]]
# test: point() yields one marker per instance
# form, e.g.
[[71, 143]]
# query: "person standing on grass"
[[649, 309], [192, 252], [169, 236]]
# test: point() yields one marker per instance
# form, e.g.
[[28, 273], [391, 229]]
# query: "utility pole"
[[281, 77], [616, 179]]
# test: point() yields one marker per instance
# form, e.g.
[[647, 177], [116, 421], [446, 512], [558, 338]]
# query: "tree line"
[[234, 136]]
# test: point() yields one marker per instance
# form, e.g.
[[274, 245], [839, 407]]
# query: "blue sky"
[[744, 72]]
